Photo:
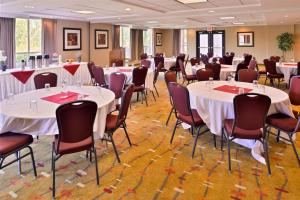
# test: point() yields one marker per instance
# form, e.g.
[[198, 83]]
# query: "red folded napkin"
[[124, 70], [71, 68], [290, 64], [63, 97], [231, 89], [23, 76]]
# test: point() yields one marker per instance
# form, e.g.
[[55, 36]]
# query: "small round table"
[[28, 113], [215, 105], [287, 69]]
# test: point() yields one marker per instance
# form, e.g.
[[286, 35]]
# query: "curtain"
[[176, 42], [49, 27], [116, 36], [133, 41], [140, 45], [7, 40]]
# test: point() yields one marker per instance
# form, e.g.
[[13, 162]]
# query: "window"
[[183, 41], [28, 38], [148, 41], [125, 40]]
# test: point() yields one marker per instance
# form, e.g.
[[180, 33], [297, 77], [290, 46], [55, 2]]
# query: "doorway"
[[210, 42]]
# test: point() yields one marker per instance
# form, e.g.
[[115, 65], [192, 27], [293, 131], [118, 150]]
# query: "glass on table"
[[113, 65], [33, 106], [262, 89], [47, 86], [241, 90], [255, 84], [10, 98], [80, 97]]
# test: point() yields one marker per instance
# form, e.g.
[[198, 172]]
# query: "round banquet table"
[[226, 70], [287, 69], [17, 116], [237, 60], [214, 106], [168, 62], [128, 72]]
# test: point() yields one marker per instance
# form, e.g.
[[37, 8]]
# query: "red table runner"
[[124, 70], [63, 97], [290, 65], [23, 76], [71, 68], [231, 89]]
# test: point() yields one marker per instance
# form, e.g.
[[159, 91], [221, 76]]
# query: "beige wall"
[[297, 43], [100, 56], [167, 41], [265, 43]]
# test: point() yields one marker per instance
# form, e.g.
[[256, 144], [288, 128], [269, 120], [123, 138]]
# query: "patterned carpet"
[[154, 169]]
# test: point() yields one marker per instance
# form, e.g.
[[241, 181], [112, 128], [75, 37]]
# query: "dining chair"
[[145, 63], [204, 59], [247, 59], [195, 60], [170, 76], [45, 78], [118, 62], [139, 75], [143, 56], [228, 59], [188, 78], [113, 121], [252, 65], [204, 75], [99, 76], [91, 66], [285, 123], [184, 114], [298, 73], [13, 143], [117, 82], [215, 68], [248, 76], [157, 61], [156, 74], [239, 67], [75, 121], [176, 67], [221, 61], [272, 73], [247, 106]]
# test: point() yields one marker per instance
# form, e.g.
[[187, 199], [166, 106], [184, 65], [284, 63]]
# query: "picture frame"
[[158, 39], [101, 39], [245, 39], [72, 39]]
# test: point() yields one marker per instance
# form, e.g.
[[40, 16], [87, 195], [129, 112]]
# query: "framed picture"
[[101, 39], [158, 39], [245, 39], [71, 39]]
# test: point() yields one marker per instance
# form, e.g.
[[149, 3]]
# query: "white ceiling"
[[160, 13]]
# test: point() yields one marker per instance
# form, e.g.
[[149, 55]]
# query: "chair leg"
[[195, 142], [156, 90], [153, 95], [33, 162], [169, 116], [115, 149], [278, 135], [96, 164], [215, 141], [294, 148], [18, 155], [267, 155], [137, 96], [222, 139], [127, 136], [174, 132], [53, 172], [144, 94], [229, 159], [91, 157]]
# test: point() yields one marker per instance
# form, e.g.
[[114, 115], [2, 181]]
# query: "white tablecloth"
[[16, 115], [225, 70], [287, 69], [9, 83], [168, 62], [215, 106], [149, 77], [237, 60]]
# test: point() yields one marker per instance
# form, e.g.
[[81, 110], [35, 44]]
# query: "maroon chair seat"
[[113, 122], [139, 75], [68, 147], [11, 141], [188, 78], [204, 75], [145, 63], [45, 78], [170, 76], [215, 68], [283, 122], [248, 76], [272, 73], [183, 112], [143, 56], [99, 76], [91, 66], [189, 119], [117, 82], [195, 61], [241, 133], [250, 111]]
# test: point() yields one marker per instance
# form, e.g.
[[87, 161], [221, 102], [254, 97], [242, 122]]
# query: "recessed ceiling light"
[[286, 16], [29, 7], [128, 9], [281, 22], [192, 1], [227, 17], [152, 22], [211, 11], [238, 23], [119, 18], [185, 21], [85, 12]]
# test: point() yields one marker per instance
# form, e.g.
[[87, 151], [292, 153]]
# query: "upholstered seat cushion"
[[262, 72], [191, 77], [241, 133], [296, 113], [276, 75], [283, 122], [11, 141], [66, 148], [139, 88], [111, 121], [188, 119]]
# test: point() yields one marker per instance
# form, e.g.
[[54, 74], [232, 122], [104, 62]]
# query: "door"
[[210, 42]]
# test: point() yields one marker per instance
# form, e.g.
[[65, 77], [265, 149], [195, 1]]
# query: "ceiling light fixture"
[[192, 1], [84, 12], [29, 7], [286, 16], [128, 9], [152, 22], [238, 23], [211, 11], [227, 17]]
